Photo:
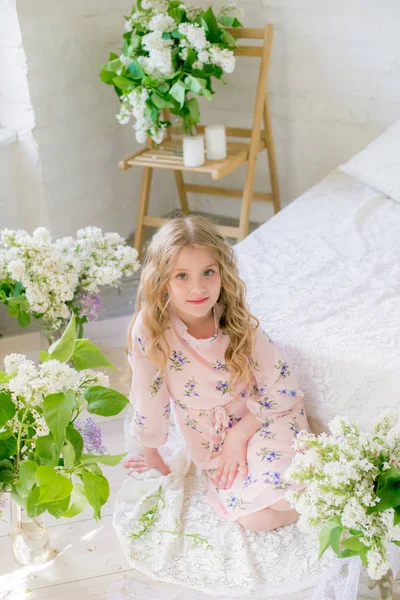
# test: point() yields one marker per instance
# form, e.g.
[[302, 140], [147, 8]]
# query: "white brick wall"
[[334, 86]]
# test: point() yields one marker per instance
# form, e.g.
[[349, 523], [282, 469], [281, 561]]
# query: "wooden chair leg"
[[247, 198], [142, 210], [181, 192], [269, 142]]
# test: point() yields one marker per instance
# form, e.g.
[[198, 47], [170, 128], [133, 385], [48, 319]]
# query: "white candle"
[[193, 151], [215, 142]]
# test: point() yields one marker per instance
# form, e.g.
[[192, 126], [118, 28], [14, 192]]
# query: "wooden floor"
[[88, 556]]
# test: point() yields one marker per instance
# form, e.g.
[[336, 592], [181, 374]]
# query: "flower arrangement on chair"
[[170, 54]]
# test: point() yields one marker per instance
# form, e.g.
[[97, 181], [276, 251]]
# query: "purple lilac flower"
[[92, 437], [89, 306]]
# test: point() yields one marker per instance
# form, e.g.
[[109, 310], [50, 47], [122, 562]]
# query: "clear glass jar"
[[178, 130], [29, 537], [382, 589]]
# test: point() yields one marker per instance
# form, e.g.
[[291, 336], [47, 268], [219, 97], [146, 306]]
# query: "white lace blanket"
[[228, 560]]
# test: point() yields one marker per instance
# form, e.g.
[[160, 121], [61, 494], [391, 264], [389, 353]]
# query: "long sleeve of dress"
[[149, 394], [276, 391]]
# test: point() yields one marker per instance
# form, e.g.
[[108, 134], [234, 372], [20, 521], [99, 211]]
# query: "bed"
[[323, 277]]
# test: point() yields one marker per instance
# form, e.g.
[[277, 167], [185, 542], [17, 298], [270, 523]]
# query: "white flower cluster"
[[341, 471], [157, 53], [30, 383], [48, 275], [52, 273], [104, 258], [134, 104], [195, 38]]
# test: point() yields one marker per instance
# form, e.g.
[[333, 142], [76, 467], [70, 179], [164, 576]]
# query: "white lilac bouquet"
[[52, 280], [353, 489], [49, 459], [171, 53]]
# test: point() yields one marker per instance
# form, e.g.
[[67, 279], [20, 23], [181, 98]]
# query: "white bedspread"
[[323, 277]]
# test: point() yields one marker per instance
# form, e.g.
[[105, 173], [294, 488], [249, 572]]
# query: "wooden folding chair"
[[238, 153]]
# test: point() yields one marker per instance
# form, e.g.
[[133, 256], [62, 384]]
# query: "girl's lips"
[[197, 301]]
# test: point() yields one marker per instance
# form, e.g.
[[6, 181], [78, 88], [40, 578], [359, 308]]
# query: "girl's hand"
[[232, 460], [149, 459]]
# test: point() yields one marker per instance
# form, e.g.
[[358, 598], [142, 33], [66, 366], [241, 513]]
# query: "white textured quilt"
[[323, 277]]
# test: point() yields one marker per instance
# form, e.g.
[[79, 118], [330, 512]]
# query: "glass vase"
[[179, 129], [381, 589], [29, 537]]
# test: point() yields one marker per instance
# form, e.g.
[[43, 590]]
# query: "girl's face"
[[195, 282]]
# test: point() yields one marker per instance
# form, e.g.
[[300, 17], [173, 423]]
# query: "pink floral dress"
[[196, 381]]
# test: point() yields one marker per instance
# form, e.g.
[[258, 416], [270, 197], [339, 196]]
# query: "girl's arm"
[[149, 394]]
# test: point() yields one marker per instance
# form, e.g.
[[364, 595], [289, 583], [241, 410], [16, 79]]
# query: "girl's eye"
[[181, 276], [208, 272]]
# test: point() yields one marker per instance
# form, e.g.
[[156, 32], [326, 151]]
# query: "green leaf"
[[105, 459], [178, 91], [43, 355], [8, 447], [194, 109], [191, 58], [63, 348], [227, 39], [325, 536], [26, 475], [20, 301], [87, 356], [4, 378], [135, 40], [124, 83], [196, 85], [68, 454], [177, 14], [33, 508], [107, 77], [104, 401], [7, 408], [78, 501], [210, 24], [48, 450], [396, 519], [75, 438], [57, 509], [97, 491], [229, 21], [57, 411], [354, 543], [52, 486], [135, 70], [161, 101], [24, 319], [396, 542]]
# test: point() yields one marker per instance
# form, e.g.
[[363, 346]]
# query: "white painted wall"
[[334, 86], [21, 189]]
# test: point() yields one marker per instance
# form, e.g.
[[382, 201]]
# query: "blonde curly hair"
[[153, 299]]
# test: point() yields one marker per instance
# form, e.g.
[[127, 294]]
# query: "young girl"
[[193, 342]]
